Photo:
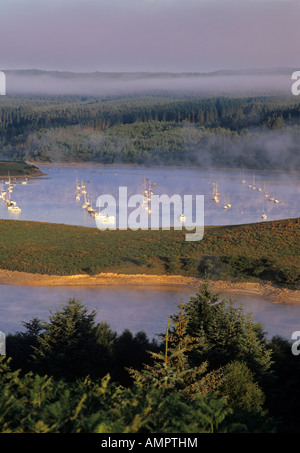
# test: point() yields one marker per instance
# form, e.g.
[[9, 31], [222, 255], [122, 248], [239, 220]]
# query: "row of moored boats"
[[216, 195], [81, 192], [6, 194]]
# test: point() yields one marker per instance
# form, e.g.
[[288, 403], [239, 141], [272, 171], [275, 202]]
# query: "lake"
[[52, 199], [135, 309]]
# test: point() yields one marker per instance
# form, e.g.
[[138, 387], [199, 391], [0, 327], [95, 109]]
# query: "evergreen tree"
[[225, 333], [71, 347], [170, 369]]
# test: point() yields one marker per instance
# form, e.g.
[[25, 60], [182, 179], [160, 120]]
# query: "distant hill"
[[148, 75], [36, 81]]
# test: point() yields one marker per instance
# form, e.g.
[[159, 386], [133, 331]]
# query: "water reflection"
[[52, 198], [131, 308]]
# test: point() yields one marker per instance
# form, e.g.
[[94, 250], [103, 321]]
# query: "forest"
[[153, 129], [213, 370]]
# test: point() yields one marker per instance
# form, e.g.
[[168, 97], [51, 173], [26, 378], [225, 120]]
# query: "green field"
[[266, 251], [18, 168]]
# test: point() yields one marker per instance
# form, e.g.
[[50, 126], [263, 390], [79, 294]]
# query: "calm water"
[[52, 199], [134, 309]]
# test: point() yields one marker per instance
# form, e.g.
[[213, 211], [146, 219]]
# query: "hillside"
[[260, 252]]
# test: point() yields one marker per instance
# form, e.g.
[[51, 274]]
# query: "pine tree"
[[171, 370], [225, 333], [70, 347]]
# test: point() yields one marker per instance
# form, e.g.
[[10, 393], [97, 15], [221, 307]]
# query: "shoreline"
[[267, 291], [170, 167]]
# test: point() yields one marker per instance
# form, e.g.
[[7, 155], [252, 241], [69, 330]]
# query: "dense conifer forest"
[[153, 129]]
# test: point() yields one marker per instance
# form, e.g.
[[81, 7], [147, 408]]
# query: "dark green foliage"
[[219, 131], [35, 404], [72, 345], [170, 369], [20, 345], [225, 333], [16, 168], [241, 389], [283, 388], [130, 351]]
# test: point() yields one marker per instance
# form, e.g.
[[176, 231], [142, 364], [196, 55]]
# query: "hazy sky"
[[149, 35]]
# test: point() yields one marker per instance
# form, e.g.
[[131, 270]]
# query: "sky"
[[149, 35]]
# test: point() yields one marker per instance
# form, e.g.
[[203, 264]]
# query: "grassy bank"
[[18, 168], [255, 252]]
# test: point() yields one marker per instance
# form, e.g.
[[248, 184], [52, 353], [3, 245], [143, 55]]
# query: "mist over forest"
[[223, 119], [115, 83]]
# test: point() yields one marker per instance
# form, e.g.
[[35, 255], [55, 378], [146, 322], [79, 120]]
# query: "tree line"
[[168, 129]]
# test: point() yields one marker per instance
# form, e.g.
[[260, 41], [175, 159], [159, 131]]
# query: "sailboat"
[[77, 184], [10, 204], [242, 178], [104, 218], [215, 193], [86, 203], [25, 180], [3, 192], [264, 215], [266, 194], [15, 209], [227, 205], [10, 185], [145, 190], [83, 189], [91, 210]]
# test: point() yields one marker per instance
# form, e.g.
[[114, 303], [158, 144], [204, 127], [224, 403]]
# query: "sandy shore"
[[267, 291]]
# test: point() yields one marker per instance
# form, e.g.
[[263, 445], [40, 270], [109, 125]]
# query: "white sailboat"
[[3, 192], [25, 180], [104, 218], [264, 215], [215, 193], [91, 210], [10, 204], [82, 188], [242, 178], [77, 186], [15, 209], [86, 203], [227, 205]]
